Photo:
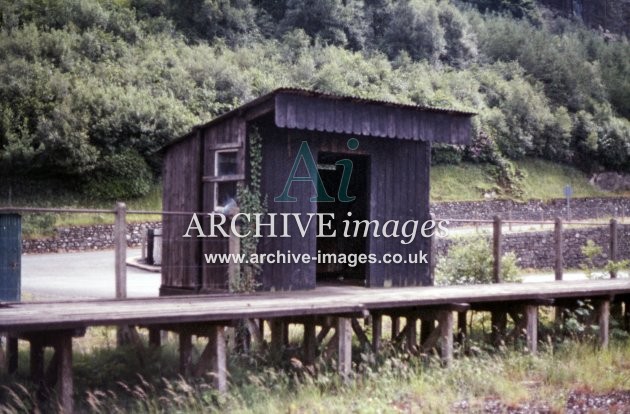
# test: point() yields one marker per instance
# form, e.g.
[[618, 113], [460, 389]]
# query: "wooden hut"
[[388, 145]]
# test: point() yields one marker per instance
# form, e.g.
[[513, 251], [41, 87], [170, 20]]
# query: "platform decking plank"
[[33, 316]]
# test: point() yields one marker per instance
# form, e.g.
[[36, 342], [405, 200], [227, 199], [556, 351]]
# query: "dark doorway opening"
[[351, 272]]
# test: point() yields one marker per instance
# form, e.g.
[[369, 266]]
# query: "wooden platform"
[[42, 316], [334, 309]]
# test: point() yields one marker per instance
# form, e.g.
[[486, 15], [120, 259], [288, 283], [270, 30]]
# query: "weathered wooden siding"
[[279, 151], [226, 135], [314, 113], [182, 183], [399, 190]]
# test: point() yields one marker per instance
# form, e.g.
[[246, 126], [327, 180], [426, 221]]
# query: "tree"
[[334, 22], [517, 8], [415, 28], [461, 43]]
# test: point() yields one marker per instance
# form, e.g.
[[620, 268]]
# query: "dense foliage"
[[470, 261], [87, 84]]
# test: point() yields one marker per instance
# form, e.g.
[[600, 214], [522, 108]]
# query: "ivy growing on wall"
[[250, 201]]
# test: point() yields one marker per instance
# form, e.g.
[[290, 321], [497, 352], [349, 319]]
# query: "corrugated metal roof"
[[348, 98], [411, 130]]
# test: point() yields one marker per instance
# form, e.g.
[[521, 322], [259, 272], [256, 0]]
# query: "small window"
[[226, 171], [226, 163], [225, 192]]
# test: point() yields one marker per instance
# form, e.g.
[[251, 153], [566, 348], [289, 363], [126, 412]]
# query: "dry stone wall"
[[581, 209], [85, 238], [536, 249]]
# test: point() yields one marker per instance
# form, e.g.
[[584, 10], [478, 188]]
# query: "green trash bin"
[[10, 257]]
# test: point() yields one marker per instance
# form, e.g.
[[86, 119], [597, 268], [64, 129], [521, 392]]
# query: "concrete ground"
[[87, 275], [90, 275]]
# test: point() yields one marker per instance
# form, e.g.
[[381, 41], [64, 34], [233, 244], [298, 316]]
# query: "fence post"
[[558, 238], [120, 242], [496, 249], [613, 245], [120, 246], [433, 252]]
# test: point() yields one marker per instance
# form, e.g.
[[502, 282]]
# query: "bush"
[[37, 225], [469, 261], [446, 154], [614, 144], [120, 176]]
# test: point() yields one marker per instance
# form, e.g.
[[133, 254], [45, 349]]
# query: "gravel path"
[[617, 402]]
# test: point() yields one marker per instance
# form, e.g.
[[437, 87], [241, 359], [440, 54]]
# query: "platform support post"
[[462, 328], [412, 332], [278, 333], [63, 349], [395, 326], [427, 326], [603, 317], [310, 342], [499, 322], [530, 313], [344, 343], [445, 320], [37, 362], [377, 328], [155, 337], [12, 354], [214, 358], [185, 353]]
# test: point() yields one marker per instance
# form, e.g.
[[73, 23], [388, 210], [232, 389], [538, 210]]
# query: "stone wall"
[[84, 238], [536, 249], [581, 208]]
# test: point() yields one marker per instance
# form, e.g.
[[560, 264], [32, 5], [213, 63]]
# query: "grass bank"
[[542, 180]]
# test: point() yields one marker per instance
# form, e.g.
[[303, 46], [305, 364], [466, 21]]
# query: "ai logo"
[[305, 156]]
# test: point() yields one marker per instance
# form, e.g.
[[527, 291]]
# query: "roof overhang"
[[316, 111]]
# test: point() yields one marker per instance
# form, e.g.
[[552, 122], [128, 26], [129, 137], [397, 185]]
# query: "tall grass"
[[123, 380]]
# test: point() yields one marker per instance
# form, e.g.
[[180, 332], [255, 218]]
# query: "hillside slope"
[[90, 89]]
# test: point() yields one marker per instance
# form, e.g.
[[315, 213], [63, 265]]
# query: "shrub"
[[591, 251], [446, 154], [614, 144], [469, 261], [120, 176], [37, 225]]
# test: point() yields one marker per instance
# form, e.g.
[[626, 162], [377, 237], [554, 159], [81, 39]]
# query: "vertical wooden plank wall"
[[399, 190], [182, 181], [279, 150]]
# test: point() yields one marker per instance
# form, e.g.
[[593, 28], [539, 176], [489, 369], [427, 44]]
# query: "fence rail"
[[120, 212]]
